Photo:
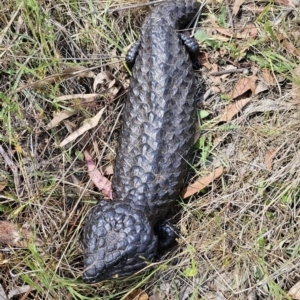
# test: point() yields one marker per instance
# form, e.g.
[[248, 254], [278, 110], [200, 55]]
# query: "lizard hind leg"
[[167, 234]]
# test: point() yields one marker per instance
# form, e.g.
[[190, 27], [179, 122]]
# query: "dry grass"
[[240, 236]]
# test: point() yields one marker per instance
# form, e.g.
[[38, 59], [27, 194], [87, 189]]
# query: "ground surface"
[[239, 232]]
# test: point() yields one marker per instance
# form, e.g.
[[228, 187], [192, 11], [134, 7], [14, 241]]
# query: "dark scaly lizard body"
[[154, 145]]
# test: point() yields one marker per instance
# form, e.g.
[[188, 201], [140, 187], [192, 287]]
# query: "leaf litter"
[[68, 73], [11, 235], [100, 181], [88, 125], [202, 183], [249, 31]]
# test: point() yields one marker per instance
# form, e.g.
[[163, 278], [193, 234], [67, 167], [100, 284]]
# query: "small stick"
[[229, 14], [12, 166], [230, 71]]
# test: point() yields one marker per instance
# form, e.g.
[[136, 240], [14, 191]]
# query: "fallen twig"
[[230, 71]]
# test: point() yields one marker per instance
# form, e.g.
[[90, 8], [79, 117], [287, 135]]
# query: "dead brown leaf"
[[215, 90], [294, 291], [261, 87], [60, 116], [101, 182], [11, 235], [93, 122], [79, 71], [113, 85], [217, 141], [221, 38], [2, 185], [268, 77], [78, 96], [68, 73], [216, 36], [255, 9], [213, 68], [290, 3], [242, 86], [236, 6], [138, 294], [249, 31], [269, 156], [291, 48], [232, 109], [109, 170], [101, 78], [295, 34], [85, 100], [202, 183], [203, 59], [43, 83]]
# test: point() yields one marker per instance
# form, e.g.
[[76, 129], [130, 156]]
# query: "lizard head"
[[117, 241]]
